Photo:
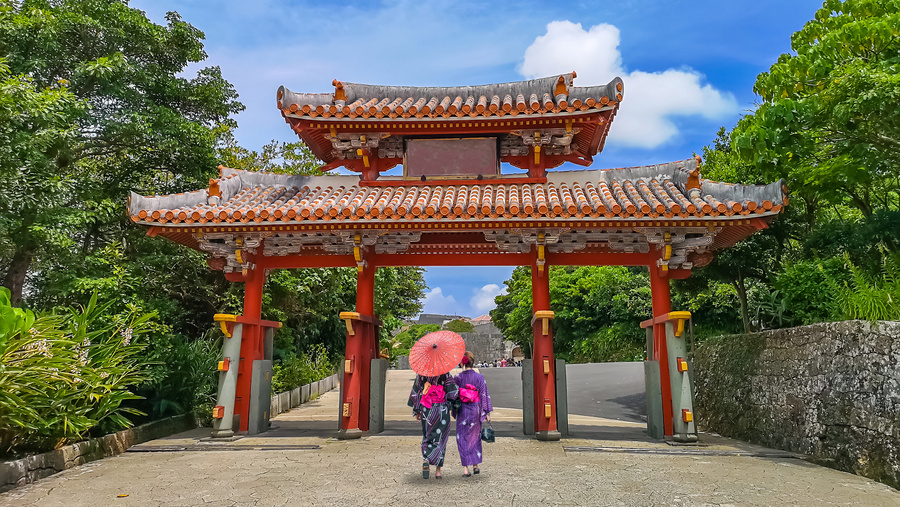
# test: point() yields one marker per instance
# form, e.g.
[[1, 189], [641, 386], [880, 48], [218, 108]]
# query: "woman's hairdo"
[[468, 359]]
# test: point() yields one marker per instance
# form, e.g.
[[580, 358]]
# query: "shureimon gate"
[[453, 207]]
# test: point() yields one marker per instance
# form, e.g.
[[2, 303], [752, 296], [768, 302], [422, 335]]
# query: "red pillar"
[[251, 342], [662, 304], [541, 351], [358, 356]]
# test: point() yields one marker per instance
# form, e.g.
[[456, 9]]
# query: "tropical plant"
[[64, 375], [871, 297], [808, 290]]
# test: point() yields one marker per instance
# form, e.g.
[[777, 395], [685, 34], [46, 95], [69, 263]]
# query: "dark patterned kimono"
[[435, 420], [470, 417]]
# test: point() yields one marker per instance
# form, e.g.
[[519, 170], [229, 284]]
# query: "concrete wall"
[[831, 391], [28, 470]]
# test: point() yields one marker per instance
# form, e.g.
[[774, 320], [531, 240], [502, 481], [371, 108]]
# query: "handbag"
[[487, 433]]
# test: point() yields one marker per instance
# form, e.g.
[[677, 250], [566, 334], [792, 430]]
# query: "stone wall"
[[488, 346], [831, 391]]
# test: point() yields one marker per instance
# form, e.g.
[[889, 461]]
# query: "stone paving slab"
[[298, 463]]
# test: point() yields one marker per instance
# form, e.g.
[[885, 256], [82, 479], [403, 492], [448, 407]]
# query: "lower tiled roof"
[[668, 190]]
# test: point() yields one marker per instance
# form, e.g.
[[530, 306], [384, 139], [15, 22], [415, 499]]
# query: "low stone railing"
[[282, 402], [31, 468]]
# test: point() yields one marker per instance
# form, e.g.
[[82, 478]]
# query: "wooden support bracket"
[[545, 316], [541, 253], [679, 317], [223, 319], [348, 318]]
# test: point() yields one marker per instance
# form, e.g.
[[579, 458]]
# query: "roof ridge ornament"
[[339, 93]]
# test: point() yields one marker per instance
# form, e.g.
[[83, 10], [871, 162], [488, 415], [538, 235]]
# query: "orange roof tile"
[[655, 191]]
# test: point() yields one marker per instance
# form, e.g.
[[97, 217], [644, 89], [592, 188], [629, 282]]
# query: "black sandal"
[[425, 470], [475, 470]]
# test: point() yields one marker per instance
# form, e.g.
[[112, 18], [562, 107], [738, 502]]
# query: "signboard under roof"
[[538, 125], [448, 158]]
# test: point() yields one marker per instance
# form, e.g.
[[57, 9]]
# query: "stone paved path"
[[611, 463]]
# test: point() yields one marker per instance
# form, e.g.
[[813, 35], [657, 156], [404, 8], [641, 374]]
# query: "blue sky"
[[688, 67]]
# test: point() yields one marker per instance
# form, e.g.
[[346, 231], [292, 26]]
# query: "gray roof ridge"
[[538, 86]]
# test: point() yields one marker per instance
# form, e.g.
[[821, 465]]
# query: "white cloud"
[[652, 99], [483, 300], [437, 302]]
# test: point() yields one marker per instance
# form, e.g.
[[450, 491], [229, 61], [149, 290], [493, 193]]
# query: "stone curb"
[[283, 402], [31, 468]]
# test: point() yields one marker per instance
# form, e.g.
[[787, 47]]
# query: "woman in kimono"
[[430, 400], [471, 415]]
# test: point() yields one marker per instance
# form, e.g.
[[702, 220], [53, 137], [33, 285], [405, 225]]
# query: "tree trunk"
[[742, 295], [15, 276]]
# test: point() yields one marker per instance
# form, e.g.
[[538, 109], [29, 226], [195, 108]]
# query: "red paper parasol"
[[436, 353]]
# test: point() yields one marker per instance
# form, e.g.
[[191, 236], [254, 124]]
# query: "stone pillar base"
[[682, 438], [350, 434], [222, 437], [548, 436]]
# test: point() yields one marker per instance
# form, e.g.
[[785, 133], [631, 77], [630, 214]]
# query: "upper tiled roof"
[[542, 96], [656, 191]]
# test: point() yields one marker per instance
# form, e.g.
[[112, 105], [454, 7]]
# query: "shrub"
[[808, 289], [295, 371], [407, 338], [459, 326], [181, 375], [64, 375], [619, 342]]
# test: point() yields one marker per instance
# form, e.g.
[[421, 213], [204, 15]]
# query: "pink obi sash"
[[434, 395], [469, 394]]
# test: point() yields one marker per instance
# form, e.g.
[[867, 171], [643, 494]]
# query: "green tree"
[[309, 301], [276, 156], [601, 303], [145, 128], [513, 313], [36, 138], [828, 119], [405, 339]]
